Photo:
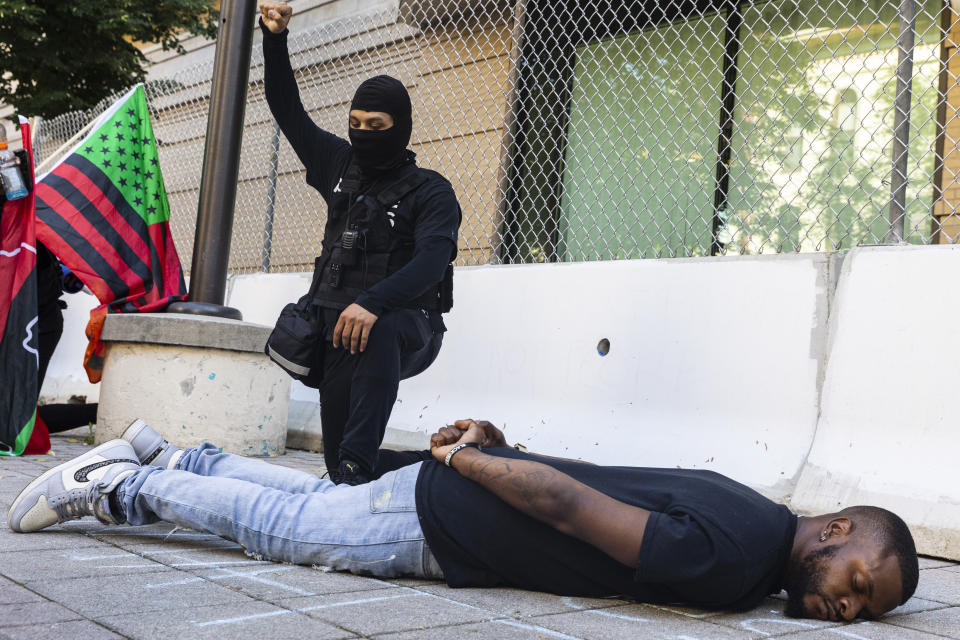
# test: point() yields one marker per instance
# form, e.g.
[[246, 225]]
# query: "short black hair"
[[892, 533]]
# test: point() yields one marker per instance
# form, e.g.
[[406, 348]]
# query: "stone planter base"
[[193, 378]]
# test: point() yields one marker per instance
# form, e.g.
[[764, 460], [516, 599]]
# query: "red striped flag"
[[103, 211], [19, 358]]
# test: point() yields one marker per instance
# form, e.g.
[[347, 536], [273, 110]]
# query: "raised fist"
[[275, 15]]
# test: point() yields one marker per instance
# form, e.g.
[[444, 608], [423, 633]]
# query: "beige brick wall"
[[457, 75]]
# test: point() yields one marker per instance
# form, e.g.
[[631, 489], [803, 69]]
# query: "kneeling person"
[[384, 276], [478, 513]]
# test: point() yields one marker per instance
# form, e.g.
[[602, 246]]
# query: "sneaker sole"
[[46, 475]]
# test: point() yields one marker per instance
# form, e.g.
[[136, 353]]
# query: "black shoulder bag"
[[296, 343]]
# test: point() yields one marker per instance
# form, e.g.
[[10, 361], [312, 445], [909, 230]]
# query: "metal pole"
[[271, 198], [901, 121], [940, 143], [728, 93], [505, 170], [221, 157]]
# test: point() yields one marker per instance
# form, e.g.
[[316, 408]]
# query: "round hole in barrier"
[[603, 347]]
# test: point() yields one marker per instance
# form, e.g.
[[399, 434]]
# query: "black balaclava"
[[379, 151]]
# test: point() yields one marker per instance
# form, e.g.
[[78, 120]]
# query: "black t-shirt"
[[710, 541]]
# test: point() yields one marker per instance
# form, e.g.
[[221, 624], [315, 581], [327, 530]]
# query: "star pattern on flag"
[[128, 156]]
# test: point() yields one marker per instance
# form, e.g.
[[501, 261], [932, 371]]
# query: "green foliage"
[[58, 56]]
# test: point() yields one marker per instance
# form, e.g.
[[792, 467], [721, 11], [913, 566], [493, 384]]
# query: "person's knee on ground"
[[377, 366]]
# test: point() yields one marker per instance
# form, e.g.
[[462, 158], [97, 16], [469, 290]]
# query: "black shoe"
[[350, 473]]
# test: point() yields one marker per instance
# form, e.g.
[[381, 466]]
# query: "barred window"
[[687, 129]]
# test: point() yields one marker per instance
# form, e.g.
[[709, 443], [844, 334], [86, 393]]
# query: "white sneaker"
[[80, 487], [151, 448]]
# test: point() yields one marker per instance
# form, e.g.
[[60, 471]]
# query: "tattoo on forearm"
[[529, 485]]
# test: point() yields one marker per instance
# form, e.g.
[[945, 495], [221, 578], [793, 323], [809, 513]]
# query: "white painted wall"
[[66, 378]]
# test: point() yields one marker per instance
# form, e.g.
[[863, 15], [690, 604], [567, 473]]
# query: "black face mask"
[[378, 151]]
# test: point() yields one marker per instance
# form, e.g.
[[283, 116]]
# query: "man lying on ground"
[[478, 513]]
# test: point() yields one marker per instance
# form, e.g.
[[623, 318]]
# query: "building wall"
[[457, 75], [946, 210]]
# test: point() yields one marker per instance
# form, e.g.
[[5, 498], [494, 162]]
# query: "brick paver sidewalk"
[[86, 581]]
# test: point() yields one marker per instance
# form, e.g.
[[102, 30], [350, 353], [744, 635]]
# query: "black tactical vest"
[[360, 248]]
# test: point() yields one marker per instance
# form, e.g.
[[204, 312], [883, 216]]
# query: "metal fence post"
[[728, 97], [901, 121], [271, 198], [505, 169]]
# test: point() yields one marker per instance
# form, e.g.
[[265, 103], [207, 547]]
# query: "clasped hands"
[[481, 432]]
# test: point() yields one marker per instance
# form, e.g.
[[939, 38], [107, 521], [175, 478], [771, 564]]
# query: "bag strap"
[[317, 277], [385, 192], [391, 192]]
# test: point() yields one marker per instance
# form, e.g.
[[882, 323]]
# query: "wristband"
[[462, 445]]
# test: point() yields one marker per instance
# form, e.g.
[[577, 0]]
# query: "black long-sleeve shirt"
[[431, 214]]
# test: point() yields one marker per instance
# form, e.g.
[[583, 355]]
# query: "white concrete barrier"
[[66, 379], [889, 432], [722, 364], [712, 363]]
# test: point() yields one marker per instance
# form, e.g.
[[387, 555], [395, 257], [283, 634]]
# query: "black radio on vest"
[[360, 248]]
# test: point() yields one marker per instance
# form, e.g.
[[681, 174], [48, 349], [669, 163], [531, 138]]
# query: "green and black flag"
[[103, 211], [19, 358]]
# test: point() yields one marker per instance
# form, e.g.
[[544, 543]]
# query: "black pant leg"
[[401, 345], [49, 330], [63, 417], [338, 368]]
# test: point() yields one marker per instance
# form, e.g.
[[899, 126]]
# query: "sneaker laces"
[[76, 503]]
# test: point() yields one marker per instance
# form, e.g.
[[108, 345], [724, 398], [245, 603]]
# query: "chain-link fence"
[[591, 129]]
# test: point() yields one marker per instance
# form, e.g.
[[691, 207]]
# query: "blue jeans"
[[287, 515]]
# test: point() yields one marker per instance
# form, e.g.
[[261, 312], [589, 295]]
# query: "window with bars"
[[686, 129]]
